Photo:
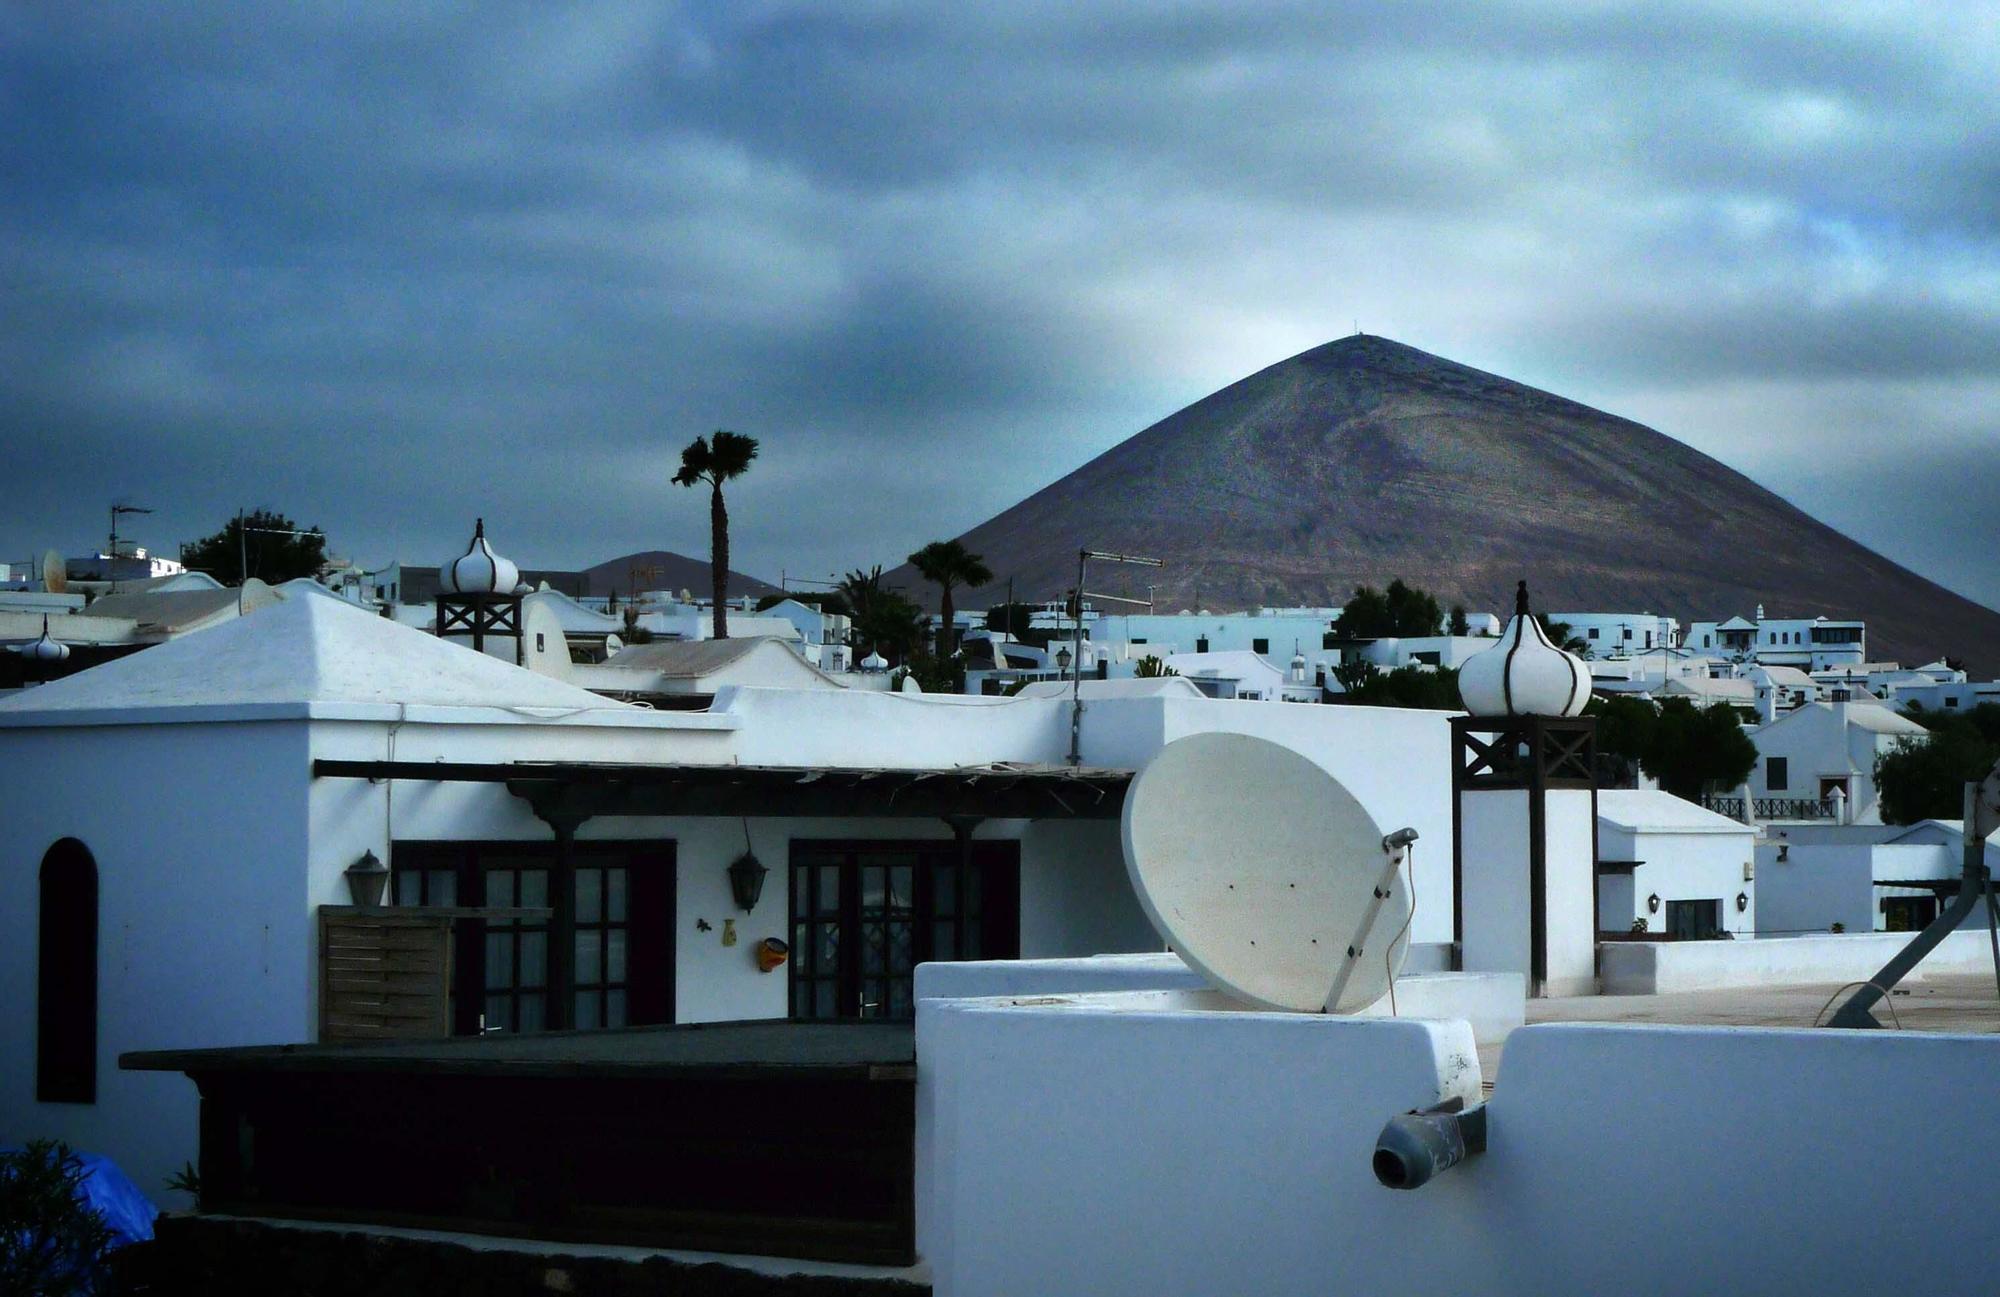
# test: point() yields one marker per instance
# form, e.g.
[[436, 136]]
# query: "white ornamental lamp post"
[[1524, 848]]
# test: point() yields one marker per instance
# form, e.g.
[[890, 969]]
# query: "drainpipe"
[[1422, 1144]]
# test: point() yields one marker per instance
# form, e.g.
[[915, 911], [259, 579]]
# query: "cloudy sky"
[[388, 267]]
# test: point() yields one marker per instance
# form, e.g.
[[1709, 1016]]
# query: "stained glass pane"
[[534, 887], [496, 1013], [829, 949], [614, 955], [899, 998], [823, 999], [614, 895], [801, 892], [829, 889], [534, 958], [903, 887], [499, 887], [873, 887], [589, 954], [409, 888], [899, 947], [589, 895], [801, 998], [587, 1011], [443, 888], [532, 1015], [872, 942], [614, 1008]]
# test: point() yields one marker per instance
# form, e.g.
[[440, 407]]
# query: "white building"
[[1862, 877], [1813, 752], [1684, 871], [1617, 634], [212, 885], [1814, 644]]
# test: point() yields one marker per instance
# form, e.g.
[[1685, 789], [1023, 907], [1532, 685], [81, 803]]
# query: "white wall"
[[1569, 866], [1662, 968], [1678, 867], [1076, 898], [1072, 1149], [1081, 1150], [201, 915], [1494, 872], [1814, 889]]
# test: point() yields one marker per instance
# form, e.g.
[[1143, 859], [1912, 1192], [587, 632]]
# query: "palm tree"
[[950, 564], [715, 461]]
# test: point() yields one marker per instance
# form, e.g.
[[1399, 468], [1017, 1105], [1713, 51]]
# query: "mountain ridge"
[[1365, 459]]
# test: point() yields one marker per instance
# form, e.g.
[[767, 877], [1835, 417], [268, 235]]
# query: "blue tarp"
[[128, 1212]]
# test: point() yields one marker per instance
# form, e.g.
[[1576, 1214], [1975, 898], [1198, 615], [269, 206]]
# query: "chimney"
[[1760, 614]]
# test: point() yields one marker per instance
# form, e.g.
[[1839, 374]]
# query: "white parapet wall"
[[1492, 1003], [1085, 1145], [1663, 967]]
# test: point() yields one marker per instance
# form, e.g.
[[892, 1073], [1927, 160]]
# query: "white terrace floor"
[[1955, 1002]]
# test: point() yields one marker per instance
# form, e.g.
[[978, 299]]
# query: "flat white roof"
[[1648, 810]]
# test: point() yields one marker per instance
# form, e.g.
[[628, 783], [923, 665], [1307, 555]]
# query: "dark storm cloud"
[[389, 269]]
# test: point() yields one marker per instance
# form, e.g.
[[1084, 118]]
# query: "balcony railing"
[[1771, 808]]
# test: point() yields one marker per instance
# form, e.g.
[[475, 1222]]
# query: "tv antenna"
[[1266, 876], [1084, 558]]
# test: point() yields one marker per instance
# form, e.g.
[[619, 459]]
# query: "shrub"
[[52, 1242]]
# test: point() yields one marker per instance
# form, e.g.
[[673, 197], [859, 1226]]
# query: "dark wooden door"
[[865, 914]]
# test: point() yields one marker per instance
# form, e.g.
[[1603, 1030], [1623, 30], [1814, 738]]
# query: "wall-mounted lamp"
[[1653, 903], [746, 880], [1742, 902], [1784, 851], [366, 878]]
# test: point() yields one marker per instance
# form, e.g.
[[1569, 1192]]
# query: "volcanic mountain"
[[663, 569], [1365, 460]]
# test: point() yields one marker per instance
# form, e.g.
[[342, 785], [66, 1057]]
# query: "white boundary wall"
[[1074, 1147], [1662, 967]]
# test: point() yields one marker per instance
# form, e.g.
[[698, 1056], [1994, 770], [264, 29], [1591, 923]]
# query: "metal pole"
[[242, 560], [1076, 666]]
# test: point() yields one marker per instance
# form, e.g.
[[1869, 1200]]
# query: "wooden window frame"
[[1000, 928], [650, 987]]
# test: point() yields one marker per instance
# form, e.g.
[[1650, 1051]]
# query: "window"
[[66, 977], [1694, 920], [1201, 645], [1260, 646], [1708, 641], [1776, 778], [1138, 640], [1593, 632], [624, 929], [865, 914]]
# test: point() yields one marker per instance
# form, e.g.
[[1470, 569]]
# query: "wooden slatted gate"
[[383, 974]]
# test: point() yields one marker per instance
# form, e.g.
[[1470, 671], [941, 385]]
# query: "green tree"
[[1626, 728], [1564, 636], [1458, 624], [713, 461], [1009, 618], [52, 1243], [1402, 611], [1428, 688], [264, 537], [1924, 777], [950, 564], [1694, 749], [883, 619], [1153, 668]]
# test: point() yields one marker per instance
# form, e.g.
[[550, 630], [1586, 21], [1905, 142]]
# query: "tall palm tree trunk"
[[944, 631], [718, 559]]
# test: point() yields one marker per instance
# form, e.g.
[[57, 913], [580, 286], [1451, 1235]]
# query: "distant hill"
[[670, 571], [1364, 460]]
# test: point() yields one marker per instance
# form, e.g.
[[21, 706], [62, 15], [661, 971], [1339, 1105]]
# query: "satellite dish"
[[55, 576], [1262, 872]]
